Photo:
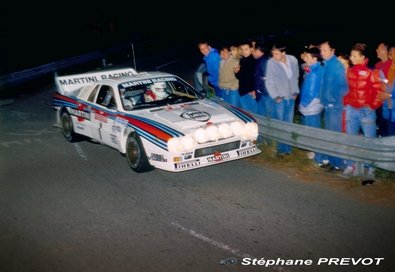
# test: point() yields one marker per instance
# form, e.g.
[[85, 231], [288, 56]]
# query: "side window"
[[106, 97], [92, 95]]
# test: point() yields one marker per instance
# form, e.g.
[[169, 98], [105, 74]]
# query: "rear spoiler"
[[68, 84]]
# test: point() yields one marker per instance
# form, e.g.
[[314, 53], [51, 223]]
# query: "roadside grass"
[[298, 166]]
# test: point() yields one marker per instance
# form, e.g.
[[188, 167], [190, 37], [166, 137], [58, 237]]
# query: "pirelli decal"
[[246, 152], [186, 165]]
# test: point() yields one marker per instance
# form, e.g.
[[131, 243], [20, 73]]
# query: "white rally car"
[[156, 119]]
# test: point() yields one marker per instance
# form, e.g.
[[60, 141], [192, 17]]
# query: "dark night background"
[[33, 34]]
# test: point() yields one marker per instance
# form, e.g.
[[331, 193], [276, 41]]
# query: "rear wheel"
[[135, 154], [67, 127]]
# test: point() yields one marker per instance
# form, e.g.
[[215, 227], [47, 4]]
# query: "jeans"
[[333, 115], [314, 121], [231, 96], [198, 77], [248, 103], [390, 124], [218, 91], [360, 119], [266, 106], [284, 111]]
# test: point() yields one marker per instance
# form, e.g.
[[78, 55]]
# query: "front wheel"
[[136, 156], [67, 127]]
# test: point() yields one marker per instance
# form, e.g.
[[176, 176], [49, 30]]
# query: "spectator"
[[334, 87], [345, 60], [264, 102], [211, 59], [310, 105], [282, 83], [198, 81], [362, 99], [228, 82], [235, 51], [388, 108], [383, 65], [245, 73]]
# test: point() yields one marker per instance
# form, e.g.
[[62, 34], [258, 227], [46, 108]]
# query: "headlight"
[[181, 144], [236, 127], [250, 131], [200, 135], [212, 132], [224, 130], [174, 145], [188, 143]]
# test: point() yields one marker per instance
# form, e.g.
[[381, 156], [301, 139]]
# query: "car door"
[[104, 112]]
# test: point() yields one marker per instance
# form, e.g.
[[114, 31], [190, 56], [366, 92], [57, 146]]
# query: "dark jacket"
[[260, 76], [246, 75]]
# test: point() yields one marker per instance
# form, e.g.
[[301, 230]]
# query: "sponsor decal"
[[116, 128], [246, 152], [90, 78], [147, 81], [218, 157], [79, 127], [188, 156], [81, 114], [99, 115], [200, 116], [164, 79], [184, 165], [157, 157], [136, 83], [114, 138]]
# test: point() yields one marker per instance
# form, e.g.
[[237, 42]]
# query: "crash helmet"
[[159, 89]]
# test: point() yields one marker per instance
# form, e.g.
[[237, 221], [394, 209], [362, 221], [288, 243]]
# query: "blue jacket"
[[334, 82], [212, 61], [311, 85]]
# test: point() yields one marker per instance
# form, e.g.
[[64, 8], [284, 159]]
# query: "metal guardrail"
[[377, 151], [36, 72]]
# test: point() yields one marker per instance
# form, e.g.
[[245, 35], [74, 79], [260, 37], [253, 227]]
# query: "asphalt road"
[[79, 207]]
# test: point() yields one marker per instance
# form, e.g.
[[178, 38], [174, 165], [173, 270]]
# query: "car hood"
[[188, 116]]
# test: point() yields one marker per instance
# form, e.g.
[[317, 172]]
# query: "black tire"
[[67, 127], [135, 154]]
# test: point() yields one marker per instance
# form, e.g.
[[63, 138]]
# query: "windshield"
[[156, 92]]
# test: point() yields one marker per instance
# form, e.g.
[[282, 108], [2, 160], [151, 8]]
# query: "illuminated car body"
[[180, 132]]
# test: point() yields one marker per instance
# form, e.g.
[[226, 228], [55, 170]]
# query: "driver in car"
[[156, 92]]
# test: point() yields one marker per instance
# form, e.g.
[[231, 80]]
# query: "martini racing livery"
[[156, 119]]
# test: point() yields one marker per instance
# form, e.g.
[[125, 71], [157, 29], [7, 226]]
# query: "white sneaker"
[[311, 155], [370, 173], [348, 172]]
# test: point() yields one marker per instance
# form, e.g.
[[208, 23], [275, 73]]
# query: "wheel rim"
[[66, 126], [133, 152]]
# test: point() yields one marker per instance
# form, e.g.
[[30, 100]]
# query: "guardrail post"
[[359, 168]]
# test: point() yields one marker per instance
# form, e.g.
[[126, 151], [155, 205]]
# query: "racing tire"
[[136, 156], [66, 124]]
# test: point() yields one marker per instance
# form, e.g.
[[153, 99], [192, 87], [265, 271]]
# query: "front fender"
[[124, 136]]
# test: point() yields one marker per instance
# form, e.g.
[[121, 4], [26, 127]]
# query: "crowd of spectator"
[[330, 89]]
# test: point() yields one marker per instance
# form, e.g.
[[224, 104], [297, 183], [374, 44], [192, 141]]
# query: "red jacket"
[[364, 86]]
